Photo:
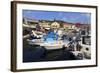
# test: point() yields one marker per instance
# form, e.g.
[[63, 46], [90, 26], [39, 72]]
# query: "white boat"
[[47, 45], [35, 41], [52, 45]]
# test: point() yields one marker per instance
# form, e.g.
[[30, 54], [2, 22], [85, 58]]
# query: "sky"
[[73, 17]]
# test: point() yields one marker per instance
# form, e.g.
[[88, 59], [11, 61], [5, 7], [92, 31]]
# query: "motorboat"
[[49, 41], [52, 45], [56, 44], [35, 41]]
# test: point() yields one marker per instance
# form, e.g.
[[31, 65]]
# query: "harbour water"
[[35, 53]]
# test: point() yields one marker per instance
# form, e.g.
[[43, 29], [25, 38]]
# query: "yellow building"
[[55, 25], [69, 26]]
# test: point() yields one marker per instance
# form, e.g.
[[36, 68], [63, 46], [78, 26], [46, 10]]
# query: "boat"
[[49, 41], [35, 41], [52, 45], [58, 44]]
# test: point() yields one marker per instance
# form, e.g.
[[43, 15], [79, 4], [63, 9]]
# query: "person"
[[78, 46], [32, 36], [38, 27]]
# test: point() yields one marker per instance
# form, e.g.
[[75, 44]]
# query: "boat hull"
[[53, 47]]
